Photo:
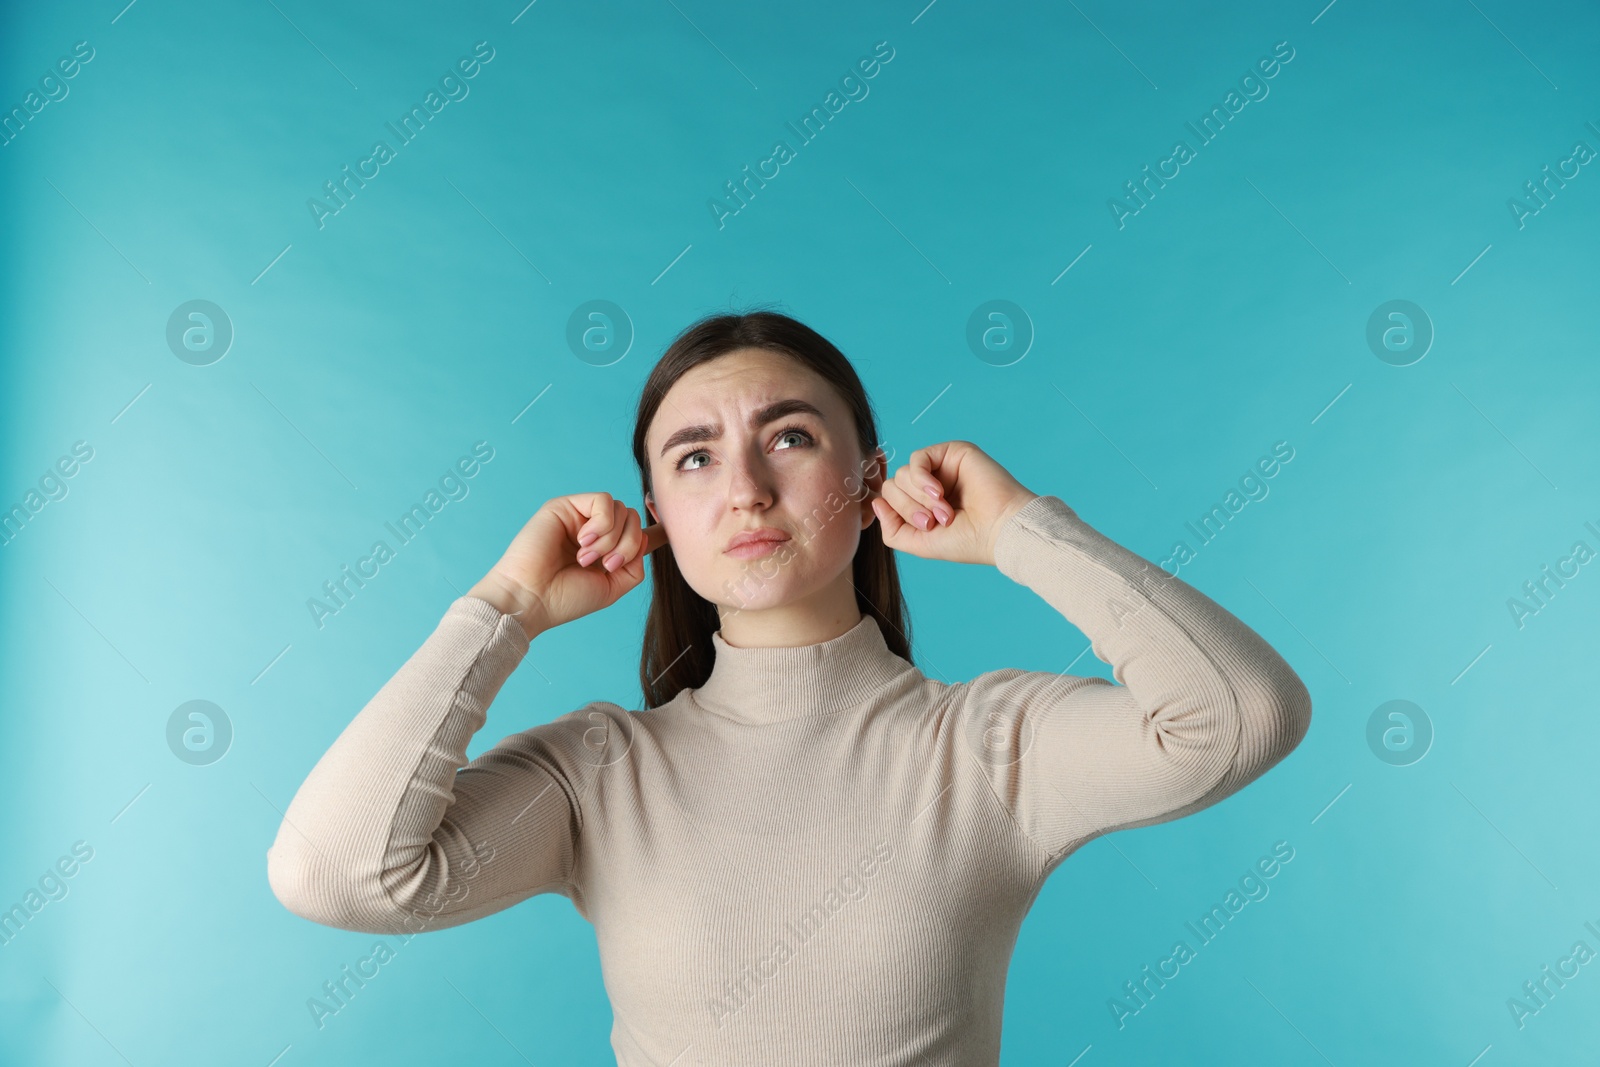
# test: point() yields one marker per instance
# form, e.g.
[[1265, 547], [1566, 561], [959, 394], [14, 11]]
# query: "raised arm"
[[389, 833], [385, 836], [1204, 705]]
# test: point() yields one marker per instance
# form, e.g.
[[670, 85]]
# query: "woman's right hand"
[[541, 580]]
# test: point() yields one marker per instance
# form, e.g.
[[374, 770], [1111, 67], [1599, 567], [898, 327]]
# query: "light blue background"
[[1228, 315]]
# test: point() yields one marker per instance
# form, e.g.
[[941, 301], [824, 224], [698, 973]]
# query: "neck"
[[766, 685], [822, 616]]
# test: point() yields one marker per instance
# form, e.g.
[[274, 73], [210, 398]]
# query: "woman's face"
[[755, 440]]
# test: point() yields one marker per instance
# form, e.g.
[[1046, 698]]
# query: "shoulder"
[[1000, 709], [596, 735], [1004, 687], [1014, 686]]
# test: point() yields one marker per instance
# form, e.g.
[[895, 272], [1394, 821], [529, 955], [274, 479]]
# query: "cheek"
[[835, 517], [836, 545], [694, 521], [681, 508]]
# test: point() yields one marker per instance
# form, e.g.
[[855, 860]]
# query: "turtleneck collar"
[[759, 686]]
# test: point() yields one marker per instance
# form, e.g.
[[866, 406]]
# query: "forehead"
[[732, 385]]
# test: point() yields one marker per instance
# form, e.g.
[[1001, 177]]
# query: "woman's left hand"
[[972, 497]]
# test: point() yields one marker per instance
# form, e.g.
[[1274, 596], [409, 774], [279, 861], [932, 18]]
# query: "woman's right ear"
[[655, 533]]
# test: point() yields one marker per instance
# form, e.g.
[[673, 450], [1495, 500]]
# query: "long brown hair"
[[677, 652]]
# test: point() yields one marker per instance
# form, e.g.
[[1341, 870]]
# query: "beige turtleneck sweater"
[[819, 856]]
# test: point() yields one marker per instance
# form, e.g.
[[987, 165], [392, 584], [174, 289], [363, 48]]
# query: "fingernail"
[[923, 519], [945, 515], [933, 491], [586, 538], [613, 561], [586, 558]]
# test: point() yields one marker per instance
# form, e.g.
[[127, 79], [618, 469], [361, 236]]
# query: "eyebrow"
[[760, 417]]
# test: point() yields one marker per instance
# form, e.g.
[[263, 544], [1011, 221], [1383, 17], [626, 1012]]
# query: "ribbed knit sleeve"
[[385, 836], [1204, 705]]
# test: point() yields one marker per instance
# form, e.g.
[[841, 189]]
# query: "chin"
[[755, 585], [753, 594]]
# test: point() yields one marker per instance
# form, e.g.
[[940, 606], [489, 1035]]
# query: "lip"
[[749, 544]]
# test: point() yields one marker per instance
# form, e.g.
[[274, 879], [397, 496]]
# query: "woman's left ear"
[[873, 480]]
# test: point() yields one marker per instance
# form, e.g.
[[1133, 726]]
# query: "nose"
[[751, 487]]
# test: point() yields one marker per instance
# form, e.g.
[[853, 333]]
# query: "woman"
[[805, 851]]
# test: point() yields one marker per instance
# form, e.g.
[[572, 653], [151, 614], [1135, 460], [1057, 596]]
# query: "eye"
[[787, 431], [794, 431]]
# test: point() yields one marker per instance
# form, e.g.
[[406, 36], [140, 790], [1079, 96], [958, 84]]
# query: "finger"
[[655, 536], [897, 497], [598, 506], [906, 507], [629, 541], [606, 543], [924, 464], [893, 526], [918, 486], [633, 568]]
